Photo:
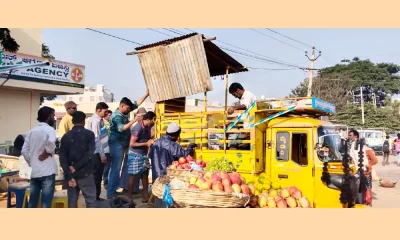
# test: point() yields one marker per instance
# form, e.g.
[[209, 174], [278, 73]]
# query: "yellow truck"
[[285, 141]]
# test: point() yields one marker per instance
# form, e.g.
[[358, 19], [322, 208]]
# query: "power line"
[[178, 31], [278, 40], [173, 31], [123, 39], [246, 50], [305, 44], [160, 32], [272, 69]]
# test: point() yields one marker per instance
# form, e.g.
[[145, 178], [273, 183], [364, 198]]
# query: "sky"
[[106, 61]]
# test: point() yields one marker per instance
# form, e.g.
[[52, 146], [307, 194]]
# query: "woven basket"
[[194, 198], [183, 173]]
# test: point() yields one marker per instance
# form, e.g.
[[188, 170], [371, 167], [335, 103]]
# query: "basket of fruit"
[[212, 190], [387, 183], [184, 167]]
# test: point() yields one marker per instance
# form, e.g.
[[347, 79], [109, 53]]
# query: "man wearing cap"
[[66, 122], [164, 151], [124, 173]]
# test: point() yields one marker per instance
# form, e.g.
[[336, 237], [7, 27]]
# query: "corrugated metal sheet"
[[176, 70]]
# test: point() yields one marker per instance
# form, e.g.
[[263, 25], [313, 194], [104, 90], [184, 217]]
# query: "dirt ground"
[[382, 197]]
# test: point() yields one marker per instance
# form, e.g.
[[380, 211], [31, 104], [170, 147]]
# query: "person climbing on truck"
[[246, 98]]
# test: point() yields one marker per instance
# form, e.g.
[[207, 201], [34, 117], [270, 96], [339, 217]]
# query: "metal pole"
[[362, 105], [226, 106]]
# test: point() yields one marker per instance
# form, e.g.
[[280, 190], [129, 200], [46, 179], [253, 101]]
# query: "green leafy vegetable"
[[221, 164]]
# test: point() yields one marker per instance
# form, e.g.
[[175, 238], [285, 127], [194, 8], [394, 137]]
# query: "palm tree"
[[7, 42]]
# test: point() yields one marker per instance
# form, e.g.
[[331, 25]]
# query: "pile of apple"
[[184, 163], [290, 197], [220, 182]]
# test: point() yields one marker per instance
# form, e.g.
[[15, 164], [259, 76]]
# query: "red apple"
[[215, 177], [175, 163], [228, 189], [224, 175], [189, 158], [226, 182], [199, 162], [193, 186], [203, 164], [236, 179], [179, 167], [187, 166], [182, 160], [217, 187]]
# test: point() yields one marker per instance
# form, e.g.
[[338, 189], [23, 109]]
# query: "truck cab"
[[286, 140]]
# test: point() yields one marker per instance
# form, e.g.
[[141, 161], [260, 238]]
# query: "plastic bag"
[[368, 196]]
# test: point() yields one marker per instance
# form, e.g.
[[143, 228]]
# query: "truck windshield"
[[330, 144]]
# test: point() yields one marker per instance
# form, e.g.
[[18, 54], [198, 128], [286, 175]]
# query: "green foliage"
[[385, 117], [335, 84]]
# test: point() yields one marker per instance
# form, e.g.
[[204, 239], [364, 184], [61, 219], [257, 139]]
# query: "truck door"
[[291, 159]]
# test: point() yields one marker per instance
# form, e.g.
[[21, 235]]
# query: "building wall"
[[29, 40], [92, 94], [18, 113]]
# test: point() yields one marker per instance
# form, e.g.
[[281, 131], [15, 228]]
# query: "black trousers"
[[98, 170]]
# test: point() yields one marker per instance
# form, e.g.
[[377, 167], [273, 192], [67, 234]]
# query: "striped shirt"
[[40, 138], [97, 126]]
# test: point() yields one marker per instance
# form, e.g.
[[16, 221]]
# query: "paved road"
[[386, 197]]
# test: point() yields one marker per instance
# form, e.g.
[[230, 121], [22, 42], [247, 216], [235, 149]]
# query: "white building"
[[92, 94]]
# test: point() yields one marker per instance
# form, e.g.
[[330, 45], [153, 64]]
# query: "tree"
[[7, 42], [339, 85]]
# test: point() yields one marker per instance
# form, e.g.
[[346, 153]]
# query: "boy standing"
[[76, 157]]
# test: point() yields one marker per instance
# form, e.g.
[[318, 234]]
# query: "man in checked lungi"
[[138, 148]]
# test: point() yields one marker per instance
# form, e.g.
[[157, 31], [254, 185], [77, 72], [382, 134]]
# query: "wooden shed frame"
[[218, 61]]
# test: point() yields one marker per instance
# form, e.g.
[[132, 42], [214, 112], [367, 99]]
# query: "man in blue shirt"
[[119, 140]]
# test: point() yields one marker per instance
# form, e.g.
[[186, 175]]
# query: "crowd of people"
[[110, 148]]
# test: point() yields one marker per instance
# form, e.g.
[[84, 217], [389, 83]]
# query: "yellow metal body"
[[265, 143]]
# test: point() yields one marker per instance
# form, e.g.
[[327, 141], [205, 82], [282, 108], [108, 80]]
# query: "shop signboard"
[[57, 72]]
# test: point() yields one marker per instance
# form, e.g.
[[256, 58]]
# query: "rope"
[[167, 198]]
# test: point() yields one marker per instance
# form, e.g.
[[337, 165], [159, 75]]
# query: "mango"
[[291, 202], [276, 185], [285, 193], [271, 203], [273, 193], [304, 203]]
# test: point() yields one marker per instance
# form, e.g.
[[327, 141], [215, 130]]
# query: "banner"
[[58, 73]]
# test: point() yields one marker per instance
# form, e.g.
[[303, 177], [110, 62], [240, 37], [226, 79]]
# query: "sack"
[[386, 147], [397, 146], [368, 196]]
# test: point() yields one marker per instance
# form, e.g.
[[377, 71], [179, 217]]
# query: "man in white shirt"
[[38, 151], [246, 98]]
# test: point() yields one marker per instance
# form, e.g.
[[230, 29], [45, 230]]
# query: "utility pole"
[[311, 70], [362, 105]]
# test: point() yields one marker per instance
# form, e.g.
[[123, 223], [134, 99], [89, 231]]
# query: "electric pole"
[[311, 70]]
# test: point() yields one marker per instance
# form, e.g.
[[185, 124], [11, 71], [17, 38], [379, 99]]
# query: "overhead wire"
[[107, 34], [302, 43], [261, 57], [277, 39], [154, 30]]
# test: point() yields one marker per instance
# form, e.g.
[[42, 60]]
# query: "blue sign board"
[[323, 106]]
